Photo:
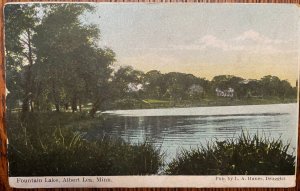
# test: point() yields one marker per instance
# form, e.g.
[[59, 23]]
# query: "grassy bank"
[[206, 102], [245, 155], [51, 144], [47, 144]]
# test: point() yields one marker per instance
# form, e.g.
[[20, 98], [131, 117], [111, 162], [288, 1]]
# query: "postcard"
[[151, 94]]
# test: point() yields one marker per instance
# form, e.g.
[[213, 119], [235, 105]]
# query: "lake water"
[[176, 128]]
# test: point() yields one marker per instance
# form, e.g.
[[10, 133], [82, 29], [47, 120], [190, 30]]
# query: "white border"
[[154, 181]]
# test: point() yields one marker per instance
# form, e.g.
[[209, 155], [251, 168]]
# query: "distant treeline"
[[53, 62], [181, 86]]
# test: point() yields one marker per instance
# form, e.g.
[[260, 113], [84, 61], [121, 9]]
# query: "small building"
[[134, 87], [225, 93]]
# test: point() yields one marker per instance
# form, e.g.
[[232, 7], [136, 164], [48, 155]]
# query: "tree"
[[67, 51], [177, 87], [98, 80], [253, 88], [127, 85], [124, 76], [154, 84], [223, 82], [285, 90], [270, 85], [20, 24], [54, 59]]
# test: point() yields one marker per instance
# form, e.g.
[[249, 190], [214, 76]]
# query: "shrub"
[[245, 155], [41, 147]]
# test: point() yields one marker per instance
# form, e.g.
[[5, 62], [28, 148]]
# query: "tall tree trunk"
[[74, 103], [56, 100], [37, 105], [96, 107], [79, 103], [66, 106], [31, 106], [93, 110], [57, 107], [28, 80], [25, 104]]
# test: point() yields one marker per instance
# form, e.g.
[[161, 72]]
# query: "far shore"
[[220, 102], [264, 109]]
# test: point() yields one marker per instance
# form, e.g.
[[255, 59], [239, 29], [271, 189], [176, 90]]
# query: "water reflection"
[[174, 132]]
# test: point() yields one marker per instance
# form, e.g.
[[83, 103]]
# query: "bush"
[[53, 148], [245, 155]]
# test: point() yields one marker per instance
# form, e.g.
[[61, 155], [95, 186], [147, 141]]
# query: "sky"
[[206, 40]]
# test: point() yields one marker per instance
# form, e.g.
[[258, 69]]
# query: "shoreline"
[[207, 111]]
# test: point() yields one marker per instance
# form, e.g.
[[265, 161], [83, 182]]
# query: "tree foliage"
[[64, 66], [20, 25]]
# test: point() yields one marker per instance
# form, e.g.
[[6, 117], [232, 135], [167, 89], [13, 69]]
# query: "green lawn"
[[155, 101]]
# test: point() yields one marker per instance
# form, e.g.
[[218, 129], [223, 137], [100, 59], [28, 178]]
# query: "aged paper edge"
[[153, 181], [181, 181]]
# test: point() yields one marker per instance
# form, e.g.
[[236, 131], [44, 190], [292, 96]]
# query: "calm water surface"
[[175, 128]]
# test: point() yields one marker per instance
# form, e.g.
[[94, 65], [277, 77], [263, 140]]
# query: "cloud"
[[210, 41], [213, 41], [206, 42], [184, 47], [256, 37], [249, 41]]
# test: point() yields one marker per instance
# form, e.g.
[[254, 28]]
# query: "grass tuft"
[[245, 155], [41, 147]]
